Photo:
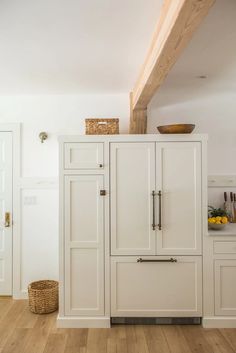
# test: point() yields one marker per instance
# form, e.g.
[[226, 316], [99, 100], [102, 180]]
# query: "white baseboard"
[[23, 294], [83, 322], [219, 322]]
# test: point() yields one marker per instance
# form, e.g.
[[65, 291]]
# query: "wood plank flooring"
[[24, 332]]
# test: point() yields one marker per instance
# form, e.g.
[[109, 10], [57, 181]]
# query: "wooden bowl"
[[176, 129]]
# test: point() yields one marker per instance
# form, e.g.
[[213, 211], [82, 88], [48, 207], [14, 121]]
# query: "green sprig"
[[216, 212]]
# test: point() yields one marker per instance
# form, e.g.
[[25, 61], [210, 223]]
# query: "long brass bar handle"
[[153, 211], [159, 224], [157, 260]]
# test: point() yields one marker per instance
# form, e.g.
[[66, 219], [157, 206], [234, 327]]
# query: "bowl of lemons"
[[217, 218]]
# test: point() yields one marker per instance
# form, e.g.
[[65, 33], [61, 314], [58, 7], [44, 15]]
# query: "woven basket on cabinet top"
[[102, 126], [43, 296]]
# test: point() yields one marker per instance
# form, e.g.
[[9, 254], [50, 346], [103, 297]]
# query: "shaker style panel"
[[166, 287], [132, 179], [224, 247], [178, 181], [86, 290], [225, 287], [84, 243], [83, 155]]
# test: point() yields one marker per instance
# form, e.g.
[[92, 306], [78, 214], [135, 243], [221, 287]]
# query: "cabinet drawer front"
[[224, 247], [157, 288], [225, 287], [83, 155]]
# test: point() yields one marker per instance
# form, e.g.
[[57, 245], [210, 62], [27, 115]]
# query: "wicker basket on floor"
[[102, 126], [43, 296]]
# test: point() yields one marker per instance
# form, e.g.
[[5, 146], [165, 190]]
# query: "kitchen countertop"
[[230, 229]]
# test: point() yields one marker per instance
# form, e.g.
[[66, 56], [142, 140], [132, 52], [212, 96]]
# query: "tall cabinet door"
[[178, 178], [84, 242], [132, 183]]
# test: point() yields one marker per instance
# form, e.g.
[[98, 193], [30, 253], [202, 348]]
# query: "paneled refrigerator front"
[[131, 228], [156, 210]]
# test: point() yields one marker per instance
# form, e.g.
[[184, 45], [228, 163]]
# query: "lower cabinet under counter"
[[219, 278], [225, 287], [151, 287]]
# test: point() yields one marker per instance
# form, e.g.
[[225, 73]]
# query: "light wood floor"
[[24, 332]]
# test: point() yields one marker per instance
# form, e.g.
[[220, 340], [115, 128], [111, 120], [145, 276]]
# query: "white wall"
[[213, 114], [56, 115]]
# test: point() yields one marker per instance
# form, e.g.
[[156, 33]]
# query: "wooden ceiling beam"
[[178, 21]]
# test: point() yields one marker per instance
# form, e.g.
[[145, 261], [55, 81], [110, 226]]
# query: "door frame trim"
[[15, 129]]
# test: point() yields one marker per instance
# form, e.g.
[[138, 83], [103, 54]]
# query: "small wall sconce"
[[43, 136]]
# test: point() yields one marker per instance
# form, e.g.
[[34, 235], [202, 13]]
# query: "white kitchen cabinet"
[[162, 286], [83, 155], [132, 181], [84, 243], [225, 287], [178, 178], [219, 280], [124, 198]]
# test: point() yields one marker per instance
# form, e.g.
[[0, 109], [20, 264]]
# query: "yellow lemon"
[[224, 220], [218, 219], [211, 220], [218, 222]]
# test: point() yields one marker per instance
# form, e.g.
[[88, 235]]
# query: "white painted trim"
[[83, 322], [219, 322], [61, 235], [21, 294], [130, 138], [39, 183]]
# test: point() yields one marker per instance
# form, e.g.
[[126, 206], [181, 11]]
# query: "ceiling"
[[73, 46], [210, 53]]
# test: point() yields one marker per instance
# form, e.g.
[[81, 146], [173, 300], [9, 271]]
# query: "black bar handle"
[[157, 260], [153, 211], [159, 224]]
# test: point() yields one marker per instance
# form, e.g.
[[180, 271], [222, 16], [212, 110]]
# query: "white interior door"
[[178, 177], [132, 183], [5, 207]]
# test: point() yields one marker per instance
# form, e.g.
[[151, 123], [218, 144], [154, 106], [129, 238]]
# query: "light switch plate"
[[30, 200]]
